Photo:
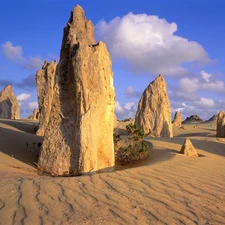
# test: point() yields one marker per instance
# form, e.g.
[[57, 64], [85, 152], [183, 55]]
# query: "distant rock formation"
[[188, 149], [212, 119], [9, 106], [220, 131], [154, 114], [79, 136], [34, 115], [128, 120], [45, 80], [193, 119], [177, 122]]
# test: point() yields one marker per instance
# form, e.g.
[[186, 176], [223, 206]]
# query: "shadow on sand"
[[155, 156], [20, 145], [25, 126], [209, 146], [200, 134]]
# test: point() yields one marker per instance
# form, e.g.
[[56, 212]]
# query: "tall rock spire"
[[154, 114], [45, 80], [79, 135]]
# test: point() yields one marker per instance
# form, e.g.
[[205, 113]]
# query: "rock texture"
[[79, 135], [177, 122], [193, 119], [9, 106], [34, 115], [220, 131], [154, 114], [188, 149], [45, 80]]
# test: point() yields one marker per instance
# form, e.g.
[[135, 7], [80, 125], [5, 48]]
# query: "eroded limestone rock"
[[220, 131], [45, 80], [177, 122], [9, 106], [79, 136], [154, 114], [188, 149], [34, 115]]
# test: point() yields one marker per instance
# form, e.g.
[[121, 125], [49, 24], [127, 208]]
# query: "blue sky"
[[182, 39]]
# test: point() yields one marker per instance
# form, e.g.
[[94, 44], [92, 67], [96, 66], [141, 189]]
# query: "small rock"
[[9, 106], [188, 149]]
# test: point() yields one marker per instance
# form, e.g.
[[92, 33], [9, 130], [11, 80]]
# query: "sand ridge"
[[166, 188]]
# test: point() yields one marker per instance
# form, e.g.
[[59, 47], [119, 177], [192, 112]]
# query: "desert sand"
[[165, 188]]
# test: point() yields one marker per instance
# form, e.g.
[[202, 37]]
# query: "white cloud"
[[205, 82], [188, 85], [211, 84], [203, 107], [15, 53], [205, 75], [32, 105], [148, 44], [33, 63], [125, 111], [130, 105], [118, 108], [189, 88], [12, 52], [205, 103], [23, 97], [130, 92]]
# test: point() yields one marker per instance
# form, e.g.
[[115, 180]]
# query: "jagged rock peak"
[[9, 106], [7, 88], [154, 113], [79, 28], [78, 138]]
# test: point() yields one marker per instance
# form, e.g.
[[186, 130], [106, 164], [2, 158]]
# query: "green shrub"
[[132, 148]]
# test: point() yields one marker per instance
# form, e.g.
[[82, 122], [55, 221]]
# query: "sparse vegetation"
[[132, 148], [116, 138], [72, 173], [135, 131]]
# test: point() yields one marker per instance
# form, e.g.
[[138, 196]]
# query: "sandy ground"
[[166, 188]]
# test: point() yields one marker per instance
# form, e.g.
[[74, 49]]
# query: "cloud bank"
[[148, 44], [14, 53], [28, 83]]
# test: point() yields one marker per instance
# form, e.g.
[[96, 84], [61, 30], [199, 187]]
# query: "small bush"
[[135, 131], [133, 148]]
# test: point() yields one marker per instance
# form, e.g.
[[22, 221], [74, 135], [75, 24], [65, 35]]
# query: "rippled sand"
[[166, 188]]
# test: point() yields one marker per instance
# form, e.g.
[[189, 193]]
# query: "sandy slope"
[[166, 188]]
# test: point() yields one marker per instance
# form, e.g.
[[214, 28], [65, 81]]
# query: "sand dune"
[[166, 188]]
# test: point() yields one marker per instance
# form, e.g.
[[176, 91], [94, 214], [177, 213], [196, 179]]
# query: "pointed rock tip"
[[160, 76], [187, 141], [78, 8], [9, 86]]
